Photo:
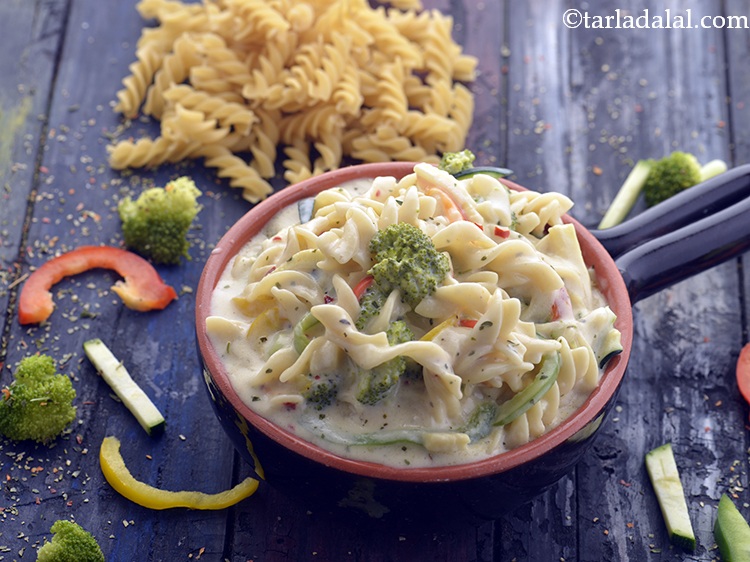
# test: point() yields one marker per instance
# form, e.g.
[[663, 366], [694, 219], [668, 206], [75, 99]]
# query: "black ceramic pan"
[[686, 234], [689, 233]]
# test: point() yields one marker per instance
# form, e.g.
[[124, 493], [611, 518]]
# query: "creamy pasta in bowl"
[[394, 322]]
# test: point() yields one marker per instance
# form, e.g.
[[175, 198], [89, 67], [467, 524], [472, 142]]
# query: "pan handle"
[[671, 258], [678, 211]]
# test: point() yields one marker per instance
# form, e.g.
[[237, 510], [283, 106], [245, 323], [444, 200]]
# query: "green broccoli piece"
[[373, 385], [70, 543], [659, 180], [369, 306], [675, 173], [321, 392], [399, 332], [481, 421], [38, 404], [407, 260], [455, 162], [156, 224]]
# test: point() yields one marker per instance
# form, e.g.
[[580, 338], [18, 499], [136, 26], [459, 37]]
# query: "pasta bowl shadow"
[[485, 488]]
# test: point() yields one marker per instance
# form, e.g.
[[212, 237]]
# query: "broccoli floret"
[[321, 392], [659, 180], [675, 173], [373, 385], [369, 306], [407, 260], [38, 403], [399, 332], [454, 162], [70, 543], [156, 224], [481, 421]]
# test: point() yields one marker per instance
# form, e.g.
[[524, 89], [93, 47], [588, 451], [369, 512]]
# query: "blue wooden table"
[[568, 108]]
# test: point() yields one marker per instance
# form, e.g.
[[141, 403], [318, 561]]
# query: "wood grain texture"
[[657, 92], [737, 51], [567, 109], [32, 35], [79, 207]]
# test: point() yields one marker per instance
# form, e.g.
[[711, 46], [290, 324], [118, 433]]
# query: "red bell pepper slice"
[[743, 372], [562, 308], [142, 288], [502, 232], [360, 288], [451, 209]]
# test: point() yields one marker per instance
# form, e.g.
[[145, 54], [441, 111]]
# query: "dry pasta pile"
[[319, 80]]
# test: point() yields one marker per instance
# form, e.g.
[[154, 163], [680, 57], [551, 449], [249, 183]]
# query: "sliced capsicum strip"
[[141, 289], [119, 477], [743, 372], [449, 323]]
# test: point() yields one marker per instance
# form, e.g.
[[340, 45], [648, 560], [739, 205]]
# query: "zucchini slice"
[[305, 209], [662, 470], [731, 531], [521, 402], [478, 426], [487, 170], [432, 440], [114, 372]]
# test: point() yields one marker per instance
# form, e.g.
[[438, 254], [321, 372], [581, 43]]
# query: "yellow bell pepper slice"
[[264, 324], [120, 478], [432, 334]]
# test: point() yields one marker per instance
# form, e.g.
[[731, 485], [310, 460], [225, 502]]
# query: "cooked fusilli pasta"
[[513, 333]]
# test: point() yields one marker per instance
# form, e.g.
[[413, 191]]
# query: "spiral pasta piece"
[[142, 71], [150, 153], [228, 114], [240, 174], [338, 79], [512, 334], [175, 69]]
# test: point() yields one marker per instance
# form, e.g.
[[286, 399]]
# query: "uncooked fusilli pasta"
[[327, 79]]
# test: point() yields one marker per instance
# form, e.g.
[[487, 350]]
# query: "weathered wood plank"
[[480, 28], [587, 103], [77, 205], [539, 117], [738, 51], [32, 34], [536, 62], [288, 531], [567, 109], [544, 529], [650, 92], [739, 82]]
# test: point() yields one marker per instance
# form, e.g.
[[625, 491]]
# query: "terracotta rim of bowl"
[[609, 280]]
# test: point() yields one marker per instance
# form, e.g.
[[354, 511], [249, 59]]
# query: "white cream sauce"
[[272, 399]]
